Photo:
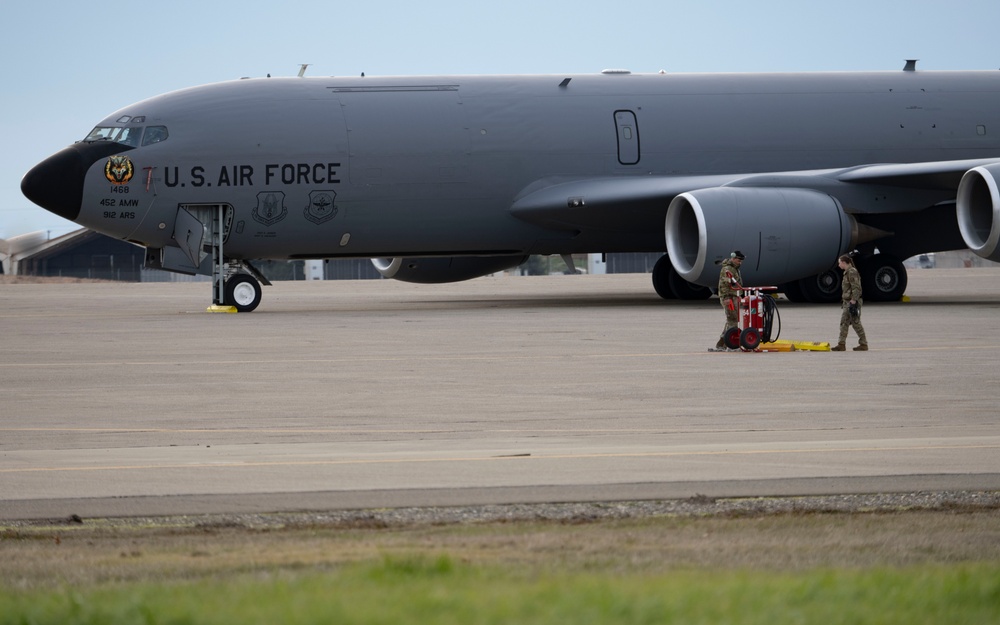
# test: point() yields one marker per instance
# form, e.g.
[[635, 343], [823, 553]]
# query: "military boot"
[[721, 344], [839, 347], [861, 348]]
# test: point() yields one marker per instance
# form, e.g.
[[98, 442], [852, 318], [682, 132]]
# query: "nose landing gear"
[[235, 283], [243, 292]]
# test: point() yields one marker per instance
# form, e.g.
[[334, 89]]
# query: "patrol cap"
[[737, 254]]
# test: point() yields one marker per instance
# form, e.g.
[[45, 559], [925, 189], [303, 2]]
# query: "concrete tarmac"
[[129, 399]]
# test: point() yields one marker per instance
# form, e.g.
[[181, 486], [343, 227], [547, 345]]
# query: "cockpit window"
[[128, 135], [154, 134]]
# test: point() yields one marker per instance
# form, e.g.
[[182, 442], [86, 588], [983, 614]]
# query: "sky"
[[67, 65]]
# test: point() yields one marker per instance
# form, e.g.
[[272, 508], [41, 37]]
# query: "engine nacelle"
[[978, 211], [786, 234], [438, 269]]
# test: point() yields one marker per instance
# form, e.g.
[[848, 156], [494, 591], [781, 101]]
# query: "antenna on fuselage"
[[302, 69]]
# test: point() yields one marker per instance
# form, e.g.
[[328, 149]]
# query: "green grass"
[[421, 589], [912, 567]]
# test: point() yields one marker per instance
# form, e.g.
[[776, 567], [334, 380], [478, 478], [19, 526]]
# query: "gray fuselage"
[[431, 166]]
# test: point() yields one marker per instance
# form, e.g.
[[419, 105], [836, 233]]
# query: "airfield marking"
[[506, 457], [443, 428], [355, 359]]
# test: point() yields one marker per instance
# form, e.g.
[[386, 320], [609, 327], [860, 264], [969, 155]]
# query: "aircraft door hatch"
[[628, 137], [200, 225], [189, 234]]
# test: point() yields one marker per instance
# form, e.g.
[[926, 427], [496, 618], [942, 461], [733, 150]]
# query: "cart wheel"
[[731, 338], [750, 338]]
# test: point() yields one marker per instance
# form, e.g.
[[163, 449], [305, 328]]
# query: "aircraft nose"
[[56, 184]]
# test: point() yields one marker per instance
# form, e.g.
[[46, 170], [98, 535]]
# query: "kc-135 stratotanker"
[[447, 178]]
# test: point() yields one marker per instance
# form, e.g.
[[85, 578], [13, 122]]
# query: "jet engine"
[[978, 211], [786, 233], [438, 269]]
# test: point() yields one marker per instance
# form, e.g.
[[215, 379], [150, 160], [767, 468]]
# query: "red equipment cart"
[[754, 315]]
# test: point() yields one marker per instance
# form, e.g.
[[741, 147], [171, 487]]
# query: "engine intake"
[[978, 211], [786, 233], [440, 269]]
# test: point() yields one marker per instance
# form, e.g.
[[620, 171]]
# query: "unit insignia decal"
[[321, 207], [270, 207], [119, 169]]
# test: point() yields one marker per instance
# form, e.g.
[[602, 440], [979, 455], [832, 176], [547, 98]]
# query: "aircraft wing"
[[928, 175], [621, 204], [792, 222], [626, 203]]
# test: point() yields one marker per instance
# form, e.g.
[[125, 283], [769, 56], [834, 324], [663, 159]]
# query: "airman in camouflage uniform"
[[730, 281], [850, 306]]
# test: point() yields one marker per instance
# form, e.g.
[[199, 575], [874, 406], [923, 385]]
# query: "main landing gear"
[[883, 279], [670, 285]]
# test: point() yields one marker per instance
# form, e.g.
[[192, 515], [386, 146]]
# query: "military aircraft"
[[446, 178]]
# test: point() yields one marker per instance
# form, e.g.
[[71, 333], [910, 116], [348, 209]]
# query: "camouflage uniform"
[[851, 290], [727, 294]]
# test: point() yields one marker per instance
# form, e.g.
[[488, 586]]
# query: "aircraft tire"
[[661, 277], [883, 278], [823, 288], [685, 290], [243, 292], [793, 291]]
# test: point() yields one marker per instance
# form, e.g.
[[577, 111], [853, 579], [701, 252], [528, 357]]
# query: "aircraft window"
[[100, 134], [154, 134], [129, 135]]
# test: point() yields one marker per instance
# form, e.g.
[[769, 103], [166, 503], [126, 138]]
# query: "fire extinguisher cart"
[[756, 314]]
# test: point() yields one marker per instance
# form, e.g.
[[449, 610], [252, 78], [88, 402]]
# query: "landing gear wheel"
[[243, 292], [685, 290], [823, 288], [731, 338], [793, 291], [661, 277], [883, 279], [750, 338], [670, 285]]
